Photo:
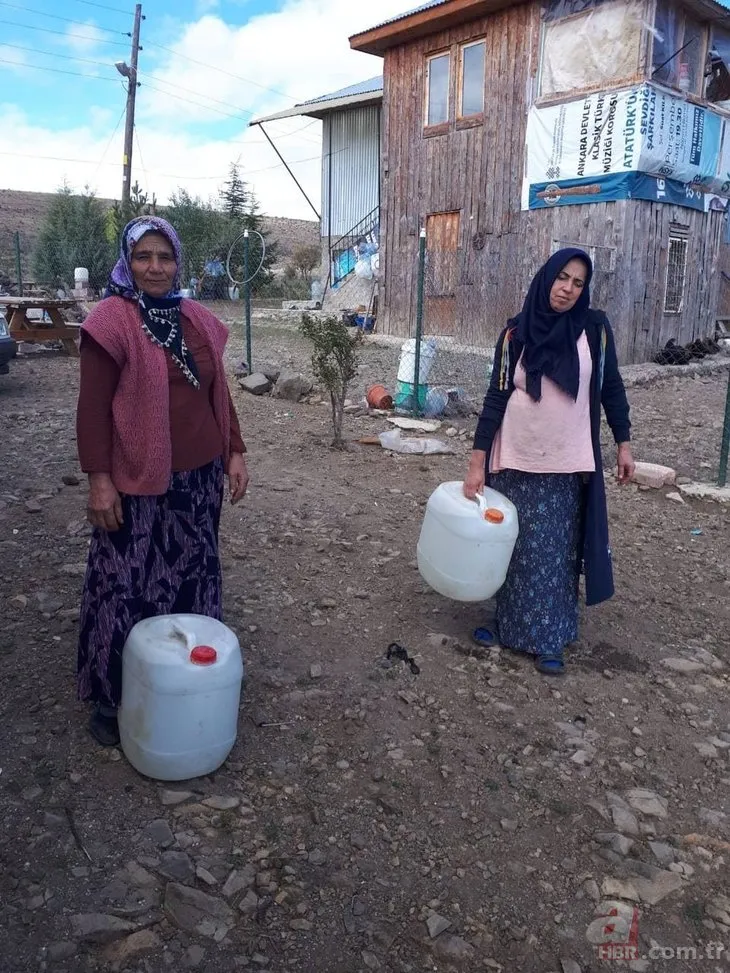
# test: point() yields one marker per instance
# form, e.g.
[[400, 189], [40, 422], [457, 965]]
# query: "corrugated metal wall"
[[351, 154]]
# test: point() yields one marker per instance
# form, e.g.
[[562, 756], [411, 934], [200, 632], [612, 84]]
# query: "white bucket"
[[81, 276], [181, 689], [407, 363]]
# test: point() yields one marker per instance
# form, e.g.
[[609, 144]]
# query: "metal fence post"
[[725, 445], [247, 301], [419, 318], [18, 265]]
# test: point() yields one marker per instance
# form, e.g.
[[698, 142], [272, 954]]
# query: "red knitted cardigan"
[[141, 446]]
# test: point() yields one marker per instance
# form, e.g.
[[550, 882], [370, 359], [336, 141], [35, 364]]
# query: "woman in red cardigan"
[[156, 431]]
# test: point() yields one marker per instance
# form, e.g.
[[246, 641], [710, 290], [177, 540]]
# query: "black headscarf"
[[550, 337]]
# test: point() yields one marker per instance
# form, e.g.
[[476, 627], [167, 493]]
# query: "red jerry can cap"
[[203, 655]]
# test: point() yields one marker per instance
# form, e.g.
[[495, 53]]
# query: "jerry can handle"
[[481, 501], [185, 637]]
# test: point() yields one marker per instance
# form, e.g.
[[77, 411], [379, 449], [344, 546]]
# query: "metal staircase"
[[345, 251]]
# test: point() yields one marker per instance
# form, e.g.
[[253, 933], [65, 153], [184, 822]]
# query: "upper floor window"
[[589, 43], [718, 58], [471, 79], [678, 49], [437, 97]]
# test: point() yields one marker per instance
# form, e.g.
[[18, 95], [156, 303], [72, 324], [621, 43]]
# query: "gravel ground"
[[475, 816]]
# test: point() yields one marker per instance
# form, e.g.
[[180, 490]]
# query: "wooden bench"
[[23, 328]]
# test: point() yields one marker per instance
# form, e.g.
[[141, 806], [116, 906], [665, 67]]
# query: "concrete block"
[[654, 475], [256, 384]]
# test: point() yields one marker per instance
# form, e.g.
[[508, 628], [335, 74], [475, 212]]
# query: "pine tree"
[[120, 214], [235, 198], [203, 231], [74, 234], [242, 212]]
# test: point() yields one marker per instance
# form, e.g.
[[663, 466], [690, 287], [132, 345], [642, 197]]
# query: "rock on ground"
[[97, 927], [292, 386], [197, 912]]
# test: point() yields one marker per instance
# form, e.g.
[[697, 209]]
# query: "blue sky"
[[206, 68]]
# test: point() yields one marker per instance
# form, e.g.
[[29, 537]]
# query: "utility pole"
[[130, 73]]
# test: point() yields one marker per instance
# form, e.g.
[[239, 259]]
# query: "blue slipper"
[[550, 665], [484, 637]]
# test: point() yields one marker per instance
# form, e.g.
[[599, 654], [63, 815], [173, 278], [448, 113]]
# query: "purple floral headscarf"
[[160, 316], [121, 280]]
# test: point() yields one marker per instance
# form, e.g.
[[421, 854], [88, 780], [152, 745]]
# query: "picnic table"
[[52, 326]]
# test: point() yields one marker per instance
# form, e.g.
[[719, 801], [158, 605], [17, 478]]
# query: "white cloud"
[[83, 38], [296, 53]]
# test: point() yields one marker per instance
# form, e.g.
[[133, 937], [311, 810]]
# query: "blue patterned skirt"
[[537, 607], [163, 560]]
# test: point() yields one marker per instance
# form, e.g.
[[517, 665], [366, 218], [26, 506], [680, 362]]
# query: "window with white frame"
[[471, 79], [676, 269], [437, 89]]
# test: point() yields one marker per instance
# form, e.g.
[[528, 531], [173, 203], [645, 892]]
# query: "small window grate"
[[676, 274]]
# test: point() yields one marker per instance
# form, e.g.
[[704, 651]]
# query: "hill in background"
[[24, 212]]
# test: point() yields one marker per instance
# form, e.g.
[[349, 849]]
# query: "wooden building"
[[477, 92]]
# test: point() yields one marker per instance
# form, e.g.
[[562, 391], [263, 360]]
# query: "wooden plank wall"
[[478, 171]]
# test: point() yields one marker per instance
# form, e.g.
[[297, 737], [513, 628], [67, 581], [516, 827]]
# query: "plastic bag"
[[363, 268], [393, 441]]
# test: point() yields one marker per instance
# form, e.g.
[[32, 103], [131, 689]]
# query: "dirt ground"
[[476, 816]]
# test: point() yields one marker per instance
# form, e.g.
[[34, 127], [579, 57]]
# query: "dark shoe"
[[104, 729]]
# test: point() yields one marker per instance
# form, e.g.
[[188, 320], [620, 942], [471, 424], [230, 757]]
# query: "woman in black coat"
[[538, 443]]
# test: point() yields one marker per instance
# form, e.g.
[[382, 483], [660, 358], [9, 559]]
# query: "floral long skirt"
[[163, 560], [537, 607]]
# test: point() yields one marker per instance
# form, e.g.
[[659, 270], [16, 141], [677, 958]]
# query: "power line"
[[177, 87], [294, 162], [139, 150], [197, 104], [66, 20], [90, 162], [154, 172], [280, 135], [39, 67], [103, 6], [108, 145], [212, 67], [65, 57], [49, 30], [187, 101]]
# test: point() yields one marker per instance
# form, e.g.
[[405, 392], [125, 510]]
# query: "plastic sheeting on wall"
[[583, 50]]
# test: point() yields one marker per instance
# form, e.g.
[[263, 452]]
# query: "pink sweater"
[[141, 446], [549, 436]]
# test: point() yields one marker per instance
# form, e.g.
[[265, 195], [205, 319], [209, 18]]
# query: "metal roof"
[[408, 13], [355, 94], [723, 4]]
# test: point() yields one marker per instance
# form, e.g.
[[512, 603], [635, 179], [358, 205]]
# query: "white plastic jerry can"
[[465, 546], [181, 689]]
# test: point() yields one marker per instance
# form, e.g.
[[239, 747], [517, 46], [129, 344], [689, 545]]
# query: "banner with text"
[[591, 150]]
